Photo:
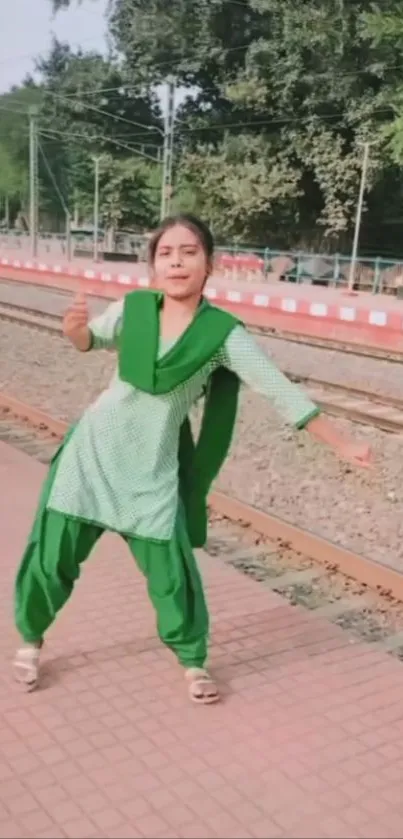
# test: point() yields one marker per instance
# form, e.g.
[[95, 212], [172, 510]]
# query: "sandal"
[[26, 666], [202, 689]]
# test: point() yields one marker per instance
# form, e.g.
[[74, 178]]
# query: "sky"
[[27, 26]]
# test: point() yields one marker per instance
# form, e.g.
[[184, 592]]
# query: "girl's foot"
[[26, 665], [201, 686]]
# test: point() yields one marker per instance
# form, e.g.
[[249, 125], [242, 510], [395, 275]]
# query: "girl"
[[130, 464]]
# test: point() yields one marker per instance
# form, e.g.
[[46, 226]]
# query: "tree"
[[246, 189], [14, 160], [300, 77], [127, 198], [84, 109], [302, 81], [88, 110]]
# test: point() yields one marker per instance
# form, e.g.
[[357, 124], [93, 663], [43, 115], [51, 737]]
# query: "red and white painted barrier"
[[306, 309]]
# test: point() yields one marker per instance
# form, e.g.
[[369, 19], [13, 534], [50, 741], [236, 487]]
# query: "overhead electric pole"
[[33, 180], [61, 199], [354, 252], [167, 166], [96, 209]]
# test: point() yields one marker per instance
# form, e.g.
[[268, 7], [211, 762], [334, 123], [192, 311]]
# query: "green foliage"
[[84, 109], [242, 186], [14, 143], [126, 196], [12, 181], [300, 80], [268, 146]]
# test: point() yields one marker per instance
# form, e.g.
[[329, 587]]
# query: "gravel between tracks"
[[270, 466], [357, 371]]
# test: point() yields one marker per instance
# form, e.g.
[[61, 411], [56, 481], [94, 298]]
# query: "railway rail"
[[350, 590], [345, 347], [357, 405], [336, 345]]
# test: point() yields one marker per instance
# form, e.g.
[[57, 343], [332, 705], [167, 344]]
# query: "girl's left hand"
[[359, 454], [324, 430]]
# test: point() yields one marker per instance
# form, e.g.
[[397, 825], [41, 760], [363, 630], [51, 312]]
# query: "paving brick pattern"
[[308, 742]]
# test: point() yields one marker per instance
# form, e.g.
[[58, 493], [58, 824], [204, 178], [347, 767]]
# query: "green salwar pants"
[[51, 564]]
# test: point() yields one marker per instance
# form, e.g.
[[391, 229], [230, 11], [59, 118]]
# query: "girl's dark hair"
[[198, 227]]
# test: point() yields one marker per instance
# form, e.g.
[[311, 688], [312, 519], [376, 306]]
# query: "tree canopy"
[[276, 100]]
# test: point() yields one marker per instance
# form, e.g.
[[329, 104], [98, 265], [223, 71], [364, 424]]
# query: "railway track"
[[345, 347], [336, 345], [357, 405], [35, 318], [359, 595]]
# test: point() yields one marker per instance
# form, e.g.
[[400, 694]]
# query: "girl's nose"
[[176, 259]]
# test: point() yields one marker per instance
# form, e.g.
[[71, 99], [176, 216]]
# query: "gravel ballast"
[[375, 375], [270, 466]]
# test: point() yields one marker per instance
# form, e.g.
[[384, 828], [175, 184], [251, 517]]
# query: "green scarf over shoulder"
[[139, 365]]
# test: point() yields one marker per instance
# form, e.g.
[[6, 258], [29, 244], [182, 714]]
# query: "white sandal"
[[202, 689], [26, 666]]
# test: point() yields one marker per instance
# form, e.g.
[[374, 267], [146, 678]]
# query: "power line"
[[167, 164], [212, 126], [52, 132], [10, 111], [152, 128], [225, 126], [279, 120], [371, 69], [53, 179], [105, 137], [375, 68], [116, 117]]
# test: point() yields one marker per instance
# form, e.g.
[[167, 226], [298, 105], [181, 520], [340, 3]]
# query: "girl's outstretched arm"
[[244, 356], [324, 430]]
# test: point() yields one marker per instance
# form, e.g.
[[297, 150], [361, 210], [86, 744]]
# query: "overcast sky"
[[27, 26]]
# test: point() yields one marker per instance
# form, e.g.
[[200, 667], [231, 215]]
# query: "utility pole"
[[358, 217], [33, 180], [62, 201], [96, 209], [68, 236], [166, 189]]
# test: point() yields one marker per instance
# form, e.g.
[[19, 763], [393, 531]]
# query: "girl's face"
[[180, 265]]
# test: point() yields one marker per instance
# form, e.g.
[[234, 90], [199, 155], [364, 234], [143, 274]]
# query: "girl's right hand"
[[75, 323]]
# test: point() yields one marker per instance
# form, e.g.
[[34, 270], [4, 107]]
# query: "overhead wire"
[[52, 133]]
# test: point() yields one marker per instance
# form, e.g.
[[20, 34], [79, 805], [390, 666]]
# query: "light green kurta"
[[120, 467]]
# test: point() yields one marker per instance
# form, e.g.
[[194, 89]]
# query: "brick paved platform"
[[308, 742]]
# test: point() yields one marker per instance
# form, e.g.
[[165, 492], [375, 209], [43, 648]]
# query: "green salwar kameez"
[[120, 468]]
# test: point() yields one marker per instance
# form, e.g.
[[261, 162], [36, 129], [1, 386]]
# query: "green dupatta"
[[139, 365]]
